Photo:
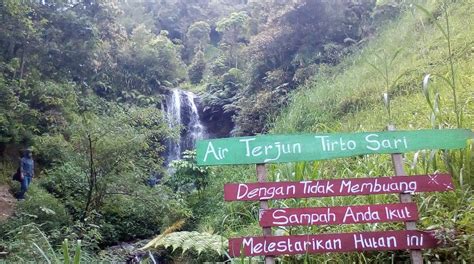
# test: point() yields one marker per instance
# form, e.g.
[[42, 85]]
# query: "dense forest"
[[111, 95]]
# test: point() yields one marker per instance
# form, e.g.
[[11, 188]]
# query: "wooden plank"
[[267, 231], [397, 160], [288, 148], [323, 243], [337, 215], [337, 187]]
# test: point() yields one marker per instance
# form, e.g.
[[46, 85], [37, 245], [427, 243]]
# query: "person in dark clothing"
[[27, 170]]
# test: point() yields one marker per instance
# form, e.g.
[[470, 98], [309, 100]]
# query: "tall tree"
[[197, 68], [198, 35], [234, 29]]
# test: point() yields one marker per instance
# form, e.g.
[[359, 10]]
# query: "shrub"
[[129, 217], [51, 149], [42, 209], [188, 176], [68, 183], [197, 68]]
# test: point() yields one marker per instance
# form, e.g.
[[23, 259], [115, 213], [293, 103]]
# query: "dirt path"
[[7, 202]]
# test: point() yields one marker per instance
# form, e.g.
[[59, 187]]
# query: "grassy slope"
[[348, 97]]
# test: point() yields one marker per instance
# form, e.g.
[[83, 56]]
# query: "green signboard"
[[305, 147]]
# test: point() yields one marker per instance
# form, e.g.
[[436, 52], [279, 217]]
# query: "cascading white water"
[[173, 112], [195, 128], [182, 111]]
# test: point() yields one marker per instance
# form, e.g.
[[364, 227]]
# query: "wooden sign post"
[[397, 160], [267, 231], [287, 148]]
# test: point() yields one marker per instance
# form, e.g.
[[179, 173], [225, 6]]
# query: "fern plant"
[[187, 240]]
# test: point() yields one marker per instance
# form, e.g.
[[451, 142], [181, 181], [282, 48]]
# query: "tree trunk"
[[92, 180], [22, 63]]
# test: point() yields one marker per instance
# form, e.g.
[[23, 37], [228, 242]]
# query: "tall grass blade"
[[375, 68], [151, 257], [438, 25], [66, 251], [50, 248], [426, 92], [395, 56], [42, 253], [77, 254]]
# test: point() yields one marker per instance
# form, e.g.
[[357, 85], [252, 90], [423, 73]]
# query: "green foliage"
[[198, 35], [66, 259], [234, 25], [197, 68], [258, 109], [86, 94], [147, 60], [42, 208], [111, 158], [348, 97], [187, 175], [451, 216], [184, 240], [34, 108], [51, 149], [291, 38], [8, 129], [221, 95], [77, 253], [30, 243], [233, 28], [92, 150], [450, 78], [384, 71], [141, 215], [83, 84], [342, 90]]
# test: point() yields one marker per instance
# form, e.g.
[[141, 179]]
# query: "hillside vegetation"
[[349, 97], [83, 83]]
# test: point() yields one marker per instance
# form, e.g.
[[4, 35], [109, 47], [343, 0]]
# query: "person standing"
[[27, 170]]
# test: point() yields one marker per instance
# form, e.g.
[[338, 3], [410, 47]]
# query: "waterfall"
[[195, 128], [173, 112], [181, 110]]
